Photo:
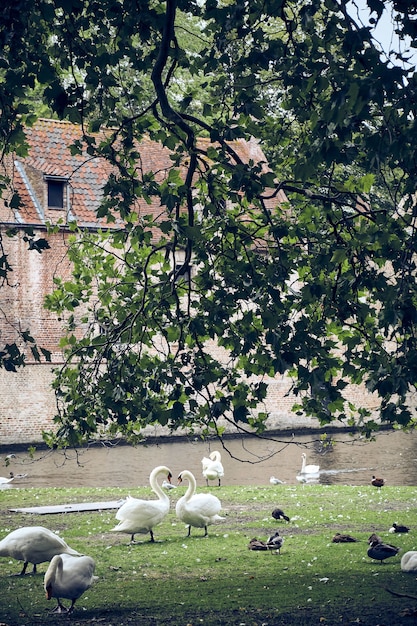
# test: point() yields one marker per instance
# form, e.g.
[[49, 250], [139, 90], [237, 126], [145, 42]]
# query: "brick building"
[[57, 187]]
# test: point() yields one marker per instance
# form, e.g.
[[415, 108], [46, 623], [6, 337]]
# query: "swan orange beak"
[[179, 479], [48, 591]]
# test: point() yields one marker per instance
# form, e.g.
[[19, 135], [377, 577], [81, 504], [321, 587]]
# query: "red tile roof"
[[49, 155]]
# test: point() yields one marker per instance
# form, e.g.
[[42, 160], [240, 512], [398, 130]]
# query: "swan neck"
[[156, 487], [192, 485], [57, 567]]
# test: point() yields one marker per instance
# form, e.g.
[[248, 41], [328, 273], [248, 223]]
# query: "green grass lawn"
[[180, 580]]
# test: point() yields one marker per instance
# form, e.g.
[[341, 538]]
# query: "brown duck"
[[339, 538]]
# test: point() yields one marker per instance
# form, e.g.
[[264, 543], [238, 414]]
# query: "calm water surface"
[[247, 461]]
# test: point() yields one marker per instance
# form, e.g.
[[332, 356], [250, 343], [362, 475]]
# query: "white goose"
[[199, 509], [140, 516], [33, 544], [212, 467], [68, 577], [308, 469]]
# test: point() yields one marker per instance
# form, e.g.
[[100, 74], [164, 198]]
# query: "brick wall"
[[27, 402]]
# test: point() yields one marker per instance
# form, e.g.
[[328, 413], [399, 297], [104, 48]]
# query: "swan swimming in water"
[[68, 577], [33, 544], [199, 509], [212, 467], [308, 469], [140, 516]]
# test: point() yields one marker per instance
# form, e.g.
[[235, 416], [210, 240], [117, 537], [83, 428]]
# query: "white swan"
[[33, 544], [409, 561], [212, 467], [140, 516], [308, 469], [199, 509], [68, 577]]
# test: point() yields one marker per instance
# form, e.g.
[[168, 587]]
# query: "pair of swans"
[[212, 467], [141, 516]]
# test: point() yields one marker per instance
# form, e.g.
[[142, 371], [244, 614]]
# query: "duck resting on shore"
[[340, 538], [399, 528], [381, 551]]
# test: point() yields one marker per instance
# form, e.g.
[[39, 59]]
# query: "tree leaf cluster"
[[242, 285]]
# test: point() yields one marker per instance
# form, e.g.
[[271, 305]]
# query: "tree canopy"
[[321, 288]]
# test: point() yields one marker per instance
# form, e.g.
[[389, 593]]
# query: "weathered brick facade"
[[27, 402]]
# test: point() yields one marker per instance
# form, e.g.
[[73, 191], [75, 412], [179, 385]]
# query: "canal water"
[[246, 461]]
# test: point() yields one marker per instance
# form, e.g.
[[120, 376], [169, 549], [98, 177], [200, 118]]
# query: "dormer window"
[[56, 191]]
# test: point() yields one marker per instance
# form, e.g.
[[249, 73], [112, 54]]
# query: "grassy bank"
[[217, 580]]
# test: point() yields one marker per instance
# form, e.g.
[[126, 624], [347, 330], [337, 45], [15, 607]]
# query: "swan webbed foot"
[[205, 532], [60, 608]]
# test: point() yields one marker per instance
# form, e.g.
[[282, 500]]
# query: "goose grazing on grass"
[[68, 577], [377, 482], [409, 562], [399, 528], [212, 467], [381, 551], [33, 544], [275, 541], [308, 469], [197, 509], [140, 516], [279, 514], [339, 538]]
